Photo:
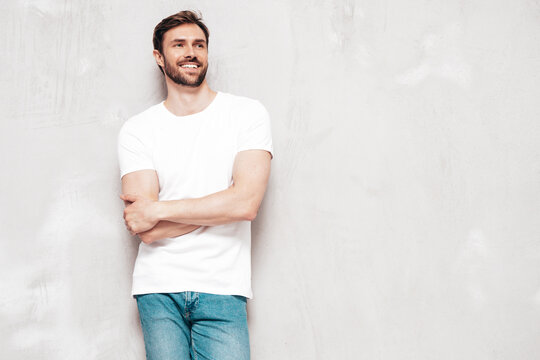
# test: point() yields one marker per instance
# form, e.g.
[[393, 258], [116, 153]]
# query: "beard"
[[176, 75]]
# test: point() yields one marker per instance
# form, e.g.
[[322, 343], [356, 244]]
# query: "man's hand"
[[140, 215]]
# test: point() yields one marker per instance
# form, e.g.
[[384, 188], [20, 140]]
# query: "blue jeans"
[[192, 325]]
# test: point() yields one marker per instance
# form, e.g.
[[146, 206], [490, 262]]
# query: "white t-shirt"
[[193, 156]]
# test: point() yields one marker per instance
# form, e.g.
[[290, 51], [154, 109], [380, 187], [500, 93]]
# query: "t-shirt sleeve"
[[134, 151], [255, 132]]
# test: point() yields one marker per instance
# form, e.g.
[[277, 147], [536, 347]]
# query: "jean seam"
[[193, 345], [186, 312]]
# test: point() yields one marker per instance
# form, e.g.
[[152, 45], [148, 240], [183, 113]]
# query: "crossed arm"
[[153, 220]]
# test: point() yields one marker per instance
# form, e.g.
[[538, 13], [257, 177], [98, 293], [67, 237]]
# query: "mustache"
[[194, 61]]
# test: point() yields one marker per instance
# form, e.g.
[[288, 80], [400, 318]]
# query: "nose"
[[189, 52]]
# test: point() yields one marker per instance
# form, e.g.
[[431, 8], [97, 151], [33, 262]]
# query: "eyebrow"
[[184, 40]]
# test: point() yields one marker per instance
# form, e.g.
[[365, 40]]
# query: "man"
[[194, 171]]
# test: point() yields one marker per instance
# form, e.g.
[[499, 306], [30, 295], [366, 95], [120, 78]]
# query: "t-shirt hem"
[[231, 291], [270, 150], [125, 172]]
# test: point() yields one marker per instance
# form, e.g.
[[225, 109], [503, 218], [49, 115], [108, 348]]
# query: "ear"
[[159, 58]]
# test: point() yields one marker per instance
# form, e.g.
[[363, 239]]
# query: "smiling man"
[[194, 171]]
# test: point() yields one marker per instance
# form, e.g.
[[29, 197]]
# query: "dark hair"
[[183, 17]]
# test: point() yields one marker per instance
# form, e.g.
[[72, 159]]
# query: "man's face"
[[185, 55]]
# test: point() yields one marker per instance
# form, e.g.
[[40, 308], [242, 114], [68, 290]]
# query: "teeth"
[[189, 66]]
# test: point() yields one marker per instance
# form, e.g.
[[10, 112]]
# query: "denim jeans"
[[192, 325]]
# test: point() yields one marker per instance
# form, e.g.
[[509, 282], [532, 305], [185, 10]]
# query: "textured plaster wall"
[[402, 217]]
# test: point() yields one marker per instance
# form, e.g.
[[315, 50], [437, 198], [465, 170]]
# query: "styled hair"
[[183, 17]]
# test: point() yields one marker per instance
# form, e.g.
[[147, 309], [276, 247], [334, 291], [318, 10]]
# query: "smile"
[[190, 66]]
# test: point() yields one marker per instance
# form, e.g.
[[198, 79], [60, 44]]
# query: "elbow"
[[250, 216], [147, 238], [249, 212]]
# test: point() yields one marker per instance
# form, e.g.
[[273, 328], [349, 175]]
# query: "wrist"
[[159, 210]]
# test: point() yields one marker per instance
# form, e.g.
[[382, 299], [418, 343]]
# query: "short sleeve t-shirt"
[[193, 156]]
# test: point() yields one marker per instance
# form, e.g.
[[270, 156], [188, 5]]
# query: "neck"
[[184, 100]]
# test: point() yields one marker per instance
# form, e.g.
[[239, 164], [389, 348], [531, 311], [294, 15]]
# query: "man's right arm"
[[166, 229], [145, 183]]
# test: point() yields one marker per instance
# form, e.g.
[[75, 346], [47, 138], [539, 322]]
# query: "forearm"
[[219, 208], [240, 202], [166, 229]]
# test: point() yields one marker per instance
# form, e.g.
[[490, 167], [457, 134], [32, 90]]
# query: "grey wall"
[[402, 217]]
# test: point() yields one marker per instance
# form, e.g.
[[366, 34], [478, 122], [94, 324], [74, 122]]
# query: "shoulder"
[[243, 104], [142, 121], [248, 114]]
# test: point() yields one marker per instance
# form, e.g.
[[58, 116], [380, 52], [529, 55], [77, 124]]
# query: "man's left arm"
[[240, 202]]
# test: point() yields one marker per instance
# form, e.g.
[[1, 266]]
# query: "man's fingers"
[[129, 227], [134, 217], [132, 228]]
